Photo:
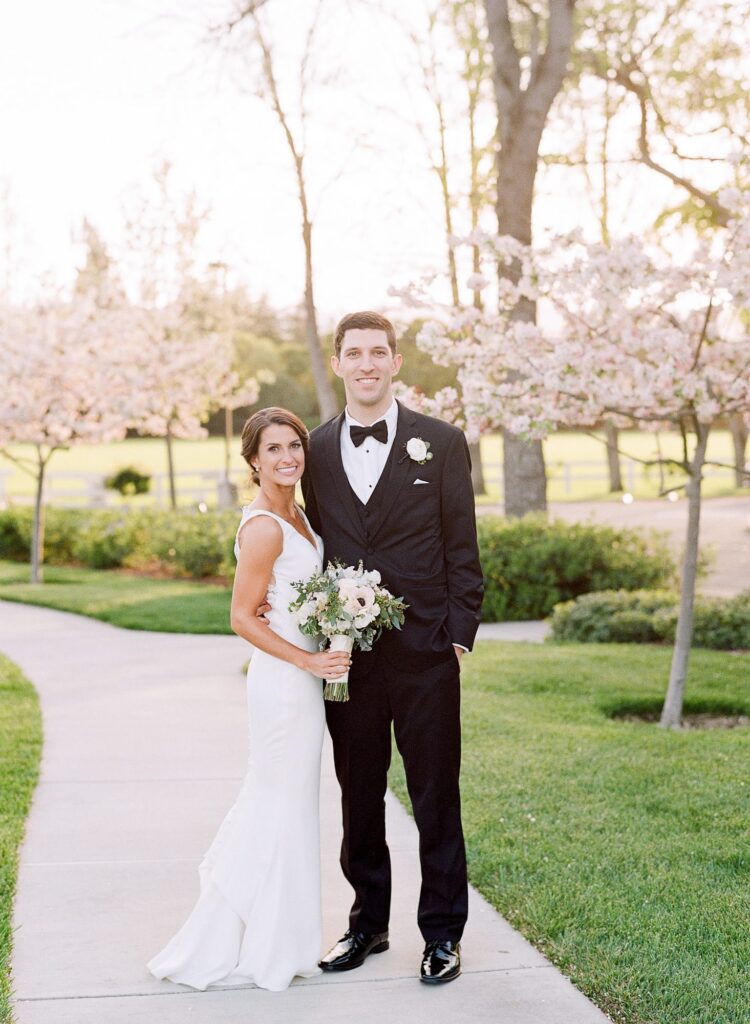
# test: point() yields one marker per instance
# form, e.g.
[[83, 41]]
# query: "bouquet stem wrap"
[[338, 689]]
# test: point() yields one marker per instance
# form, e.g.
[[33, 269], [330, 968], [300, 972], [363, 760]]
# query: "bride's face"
[[280, 458]]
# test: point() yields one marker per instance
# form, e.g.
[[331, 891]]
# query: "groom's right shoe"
[[352, 950]]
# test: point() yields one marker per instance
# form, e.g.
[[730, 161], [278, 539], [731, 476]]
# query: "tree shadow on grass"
[[698, 712]]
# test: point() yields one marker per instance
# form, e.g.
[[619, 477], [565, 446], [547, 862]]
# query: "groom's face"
[[367, 366]]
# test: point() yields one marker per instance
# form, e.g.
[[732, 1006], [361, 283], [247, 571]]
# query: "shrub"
[[129, 480], [194, 543], [631, 626], [14, 542], [589, 618], [530, 564], [16, 525], [650, 616], [185, 543], [105, 540], [720, 623]]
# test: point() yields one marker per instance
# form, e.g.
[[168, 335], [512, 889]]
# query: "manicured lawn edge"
[[132, 602], [617, 848], [20, 751]]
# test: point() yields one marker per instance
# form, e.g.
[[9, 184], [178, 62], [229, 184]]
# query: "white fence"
[[87, 490], [568, 475], [70, 489]]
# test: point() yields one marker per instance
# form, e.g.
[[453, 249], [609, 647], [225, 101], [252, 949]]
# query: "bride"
[[258, 917]]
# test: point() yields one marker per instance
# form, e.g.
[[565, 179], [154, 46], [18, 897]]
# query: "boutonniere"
[[418, 450]]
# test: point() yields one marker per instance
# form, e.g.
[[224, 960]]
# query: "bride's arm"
[[261, 541]]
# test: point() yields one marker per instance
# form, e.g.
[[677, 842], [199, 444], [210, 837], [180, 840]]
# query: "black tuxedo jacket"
[[421, 537]]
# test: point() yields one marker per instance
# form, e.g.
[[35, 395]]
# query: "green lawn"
[[133, 602], [20, 749], [193, 457], [620, 850]]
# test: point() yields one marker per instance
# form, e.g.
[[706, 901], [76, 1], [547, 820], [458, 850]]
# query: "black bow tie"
[[378, 430]]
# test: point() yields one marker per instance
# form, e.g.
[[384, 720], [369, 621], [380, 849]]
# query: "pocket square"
[[418, 481]]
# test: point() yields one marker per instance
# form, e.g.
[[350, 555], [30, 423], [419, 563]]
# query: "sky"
[[94, 94]]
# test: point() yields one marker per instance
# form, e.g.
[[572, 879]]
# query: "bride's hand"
[[328, 664]]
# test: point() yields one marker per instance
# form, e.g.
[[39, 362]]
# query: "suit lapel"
[[398, 468], [342, 487]]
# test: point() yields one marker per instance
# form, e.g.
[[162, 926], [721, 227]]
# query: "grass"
[[20, 749], [619, 849], [133, 602], [194, 457]]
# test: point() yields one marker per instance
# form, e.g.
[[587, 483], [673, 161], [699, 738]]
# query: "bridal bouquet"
[[348, 607]]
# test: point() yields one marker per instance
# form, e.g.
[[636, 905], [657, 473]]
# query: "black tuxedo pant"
[[424, 707]]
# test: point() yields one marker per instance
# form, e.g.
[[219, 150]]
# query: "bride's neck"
[[277, 499]]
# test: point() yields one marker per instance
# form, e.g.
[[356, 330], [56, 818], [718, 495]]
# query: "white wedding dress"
[[258, 917]]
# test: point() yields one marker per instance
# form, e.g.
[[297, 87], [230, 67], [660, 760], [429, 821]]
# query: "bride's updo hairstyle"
[[254, 427]]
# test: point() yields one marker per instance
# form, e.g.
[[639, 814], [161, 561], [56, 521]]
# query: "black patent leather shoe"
[[352, 950], [441, 961]]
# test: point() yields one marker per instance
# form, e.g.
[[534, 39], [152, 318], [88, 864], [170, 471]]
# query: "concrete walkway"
[[144, 749]]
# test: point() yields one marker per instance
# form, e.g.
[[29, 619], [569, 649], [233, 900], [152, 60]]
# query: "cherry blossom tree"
[[626, 333], [184, 375], [67, 380]]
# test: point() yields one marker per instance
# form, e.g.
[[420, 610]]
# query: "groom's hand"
[[459, 653], [261, 612]]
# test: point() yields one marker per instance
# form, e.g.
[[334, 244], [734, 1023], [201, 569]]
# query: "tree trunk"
[[323, 388], [170, 467], [477, 474], [739, 440], [475, 450], [227, 441], [524, 472], [37, 532], [613, 458], [522, 113], [671, 714], [524, 476]]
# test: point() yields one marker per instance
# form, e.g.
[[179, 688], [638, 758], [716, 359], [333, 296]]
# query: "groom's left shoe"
[[441, 961], [352, 950]]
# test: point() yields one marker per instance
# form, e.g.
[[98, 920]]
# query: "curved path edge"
[[144, 751]]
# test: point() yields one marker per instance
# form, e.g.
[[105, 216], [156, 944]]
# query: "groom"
[[393, 488]]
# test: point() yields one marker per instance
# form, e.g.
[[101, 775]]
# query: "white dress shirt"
[[364, 465]]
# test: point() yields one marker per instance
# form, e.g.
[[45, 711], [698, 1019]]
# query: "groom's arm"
[[463, 571], [311, 505]]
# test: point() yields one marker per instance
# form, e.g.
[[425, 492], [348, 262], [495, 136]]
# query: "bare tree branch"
[[507, 58], [633, 80]]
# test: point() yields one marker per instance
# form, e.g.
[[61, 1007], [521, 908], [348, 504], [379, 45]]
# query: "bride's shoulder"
[[264, 526]]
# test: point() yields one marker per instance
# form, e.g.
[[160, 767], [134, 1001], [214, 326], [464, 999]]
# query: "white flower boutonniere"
[[418, 450]]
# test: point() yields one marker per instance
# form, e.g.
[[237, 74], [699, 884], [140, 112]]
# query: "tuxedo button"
[[369, 551]]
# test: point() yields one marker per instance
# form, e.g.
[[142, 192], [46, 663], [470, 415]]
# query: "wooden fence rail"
[[75, 489]]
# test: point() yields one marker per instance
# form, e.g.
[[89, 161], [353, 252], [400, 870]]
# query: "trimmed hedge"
[[181, 543], [649, 616], [531, 564], [129, 480], [60, 531]]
